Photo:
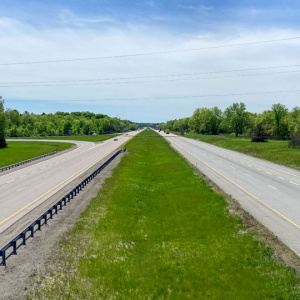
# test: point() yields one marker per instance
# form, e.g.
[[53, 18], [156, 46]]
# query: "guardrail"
[[27, 233], [26, 161]]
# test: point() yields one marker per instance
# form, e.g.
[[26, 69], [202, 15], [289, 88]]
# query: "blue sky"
[[33, 31]]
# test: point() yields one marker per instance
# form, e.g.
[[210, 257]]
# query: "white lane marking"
[[232, 167], [280, 177], [21, 189], [10, 181], [42, 168], [248, 175], [294, 183], [272, 187], [23, 176], [33, 172], [249, 165], [269, 173], [258, 169]]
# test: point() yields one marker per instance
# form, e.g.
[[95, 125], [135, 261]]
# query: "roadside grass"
[[158, 231], [85, 138], [273, 150], [19, 151]]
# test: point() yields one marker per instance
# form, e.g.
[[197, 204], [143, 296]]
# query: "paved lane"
[[269, 192], [23, 189]]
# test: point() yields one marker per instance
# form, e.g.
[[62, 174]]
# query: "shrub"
[[295, 141], [2, 143], [258, 138]]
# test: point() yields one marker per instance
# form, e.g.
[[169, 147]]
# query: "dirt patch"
[[31, 263]]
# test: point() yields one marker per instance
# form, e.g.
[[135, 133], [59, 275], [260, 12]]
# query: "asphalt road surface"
[[269, 192], [25, 188]]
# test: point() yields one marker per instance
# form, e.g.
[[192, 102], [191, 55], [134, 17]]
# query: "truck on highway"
[[167, 131]]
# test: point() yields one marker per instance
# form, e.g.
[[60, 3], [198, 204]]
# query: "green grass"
[[158, 231], [273, 150], [19, 151], [85, 138]]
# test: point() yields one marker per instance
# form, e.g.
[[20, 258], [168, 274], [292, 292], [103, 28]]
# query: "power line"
[[157, 76], [167, 97], [148, 53], [130, 82]]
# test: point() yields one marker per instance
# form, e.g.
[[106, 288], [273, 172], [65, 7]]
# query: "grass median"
[[276, 151], [19, 151], [158, 231]]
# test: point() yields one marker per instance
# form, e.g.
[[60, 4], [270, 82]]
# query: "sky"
[[148, 61]]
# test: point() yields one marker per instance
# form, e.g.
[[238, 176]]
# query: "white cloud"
[[151, 4], [198, 8], [21, 43], [69, 18]]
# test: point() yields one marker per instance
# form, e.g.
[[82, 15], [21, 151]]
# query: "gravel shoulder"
[[29, 266]]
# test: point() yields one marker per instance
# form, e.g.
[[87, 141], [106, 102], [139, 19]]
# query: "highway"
[[25, 188], [269, 192]]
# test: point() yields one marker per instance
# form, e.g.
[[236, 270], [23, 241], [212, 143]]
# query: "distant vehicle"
[[167, 131], [115, 139]]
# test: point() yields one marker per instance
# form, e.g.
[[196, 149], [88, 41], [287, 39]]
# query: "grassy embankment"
[[157, 231], [19, 151], [273, 150], [85, 138]]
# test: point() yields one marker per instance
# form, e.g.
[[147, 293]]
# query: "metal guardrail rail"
[[26, 161], [27, 233]]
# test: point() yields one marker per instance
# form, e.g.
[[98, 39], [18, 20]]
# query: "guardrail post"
[[39, 224], [23, 234], [32, 230], [2, 253], [14, 245]]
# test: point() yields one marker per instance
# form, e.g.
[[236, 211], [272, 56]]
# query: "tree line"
[[16, 124], [278, 122]]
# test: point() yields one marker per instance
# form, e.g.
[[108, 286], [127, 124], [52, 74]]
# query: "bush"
[[3, 143], [295, 141], [258, 133], [258, 138]]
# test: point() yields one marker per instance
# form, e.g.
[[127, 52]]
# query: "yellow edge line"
[[256, 198], [86, 167]]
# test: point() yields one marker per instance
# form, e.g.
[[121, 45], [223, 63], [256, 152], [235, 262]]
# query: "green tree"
[[67, 128], [210, 119], [294, 120], [279, 113], [195, 121], [236, 117], [259, 131], [3, 123]]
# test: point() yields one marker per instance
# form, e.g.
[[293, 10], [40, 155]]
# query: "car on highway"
[[115, 139]]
